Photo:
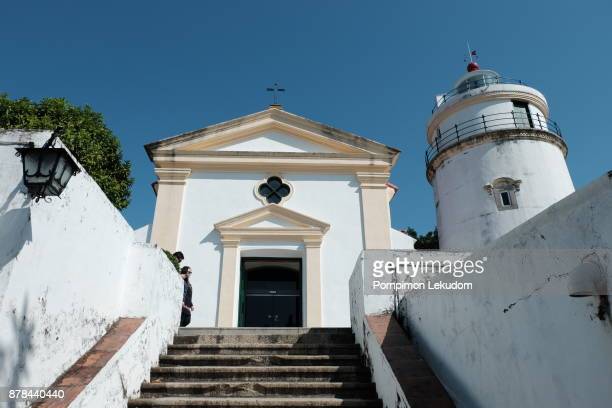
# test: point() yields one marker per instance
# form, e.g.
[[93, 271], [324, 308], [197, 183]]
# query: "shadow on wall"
[[22, 331], [213, 238], [15, 228], [15, 232], [459, 393]]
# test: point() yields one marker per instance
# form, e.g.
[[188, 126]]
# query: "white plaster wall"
[[143, 234], [151, 289], [65, 266], [399, 240], [467, 216], [388, 388], [271, 141], [519, 339], [211, 197], [57, 289]]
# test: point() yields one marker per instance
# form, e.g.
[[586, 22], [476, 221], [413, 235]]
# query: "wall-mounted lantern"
[[47, 169]]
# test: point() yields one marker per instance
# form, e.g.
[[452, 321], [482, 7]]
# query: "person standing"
[[187, 294]]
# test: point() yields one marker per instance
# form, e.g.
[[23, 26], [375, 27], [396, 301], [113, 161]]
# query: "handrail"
[[489, 123], [475, 84]]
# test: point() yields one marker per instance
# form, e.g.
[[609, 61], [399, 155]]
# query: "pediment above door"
[[272, 222]]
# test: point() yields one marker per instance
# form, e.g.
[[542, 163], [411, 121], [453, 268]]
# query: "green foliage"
[[173, 259], [85, 134], [411, 232], [427, 241]]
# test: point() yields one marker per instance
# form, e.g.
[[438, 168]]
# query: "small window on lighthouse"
[[505, 198], [504, 191]]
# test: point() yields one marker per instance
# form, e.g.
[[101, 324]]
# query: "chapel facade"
[[272, 211]]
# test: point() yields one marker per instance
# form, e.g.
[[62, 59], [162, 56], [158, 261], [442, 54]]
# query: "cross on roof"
[[275, 89]]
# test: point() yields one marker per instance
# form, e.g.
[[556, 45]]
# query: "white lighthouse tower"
[[495, 159]]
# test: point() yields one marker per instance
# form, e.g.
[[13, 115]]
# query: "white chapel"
[[271, 211]]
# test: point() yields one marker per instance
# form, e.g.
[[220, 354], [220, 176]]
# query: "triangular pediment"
[[274, 222], [273, 139], [272, 216], [272, 130]]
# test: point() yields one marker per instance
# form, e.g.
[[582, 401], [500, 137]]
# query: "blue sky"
[[156, 69]]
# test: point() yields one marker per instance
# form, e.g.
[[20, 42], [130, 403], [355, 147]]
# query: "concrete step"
[[263, 373], [258, 360], [262, 331], [250, 338], [252, 402], [260, 367], [264, 349], [260, 389]]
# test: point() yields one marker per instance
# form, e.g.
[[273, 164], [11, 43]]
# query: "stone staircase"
[[260, 367]]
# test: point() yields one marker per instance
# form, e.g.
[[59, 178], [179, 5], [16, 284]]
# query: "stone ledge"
[[83, 371]]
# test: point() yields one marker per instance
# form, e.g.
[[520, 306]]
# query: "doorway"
[[270, 292], [521, 115]]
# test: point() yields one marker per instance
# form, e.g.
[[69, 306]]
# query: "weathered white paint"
[[387, 386], [143, 234], [150, 289], [119, 378], [467, 216], [331, 198], [519, 339], [68, 269], [399, 240], [270, 141]]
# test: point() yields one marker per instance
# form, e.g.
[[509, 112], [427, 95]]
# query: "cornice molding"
[[269, 124], [373, 179], [167, 175], [274, 162], [271, 119], [313, 242], [237, 235], [230, 242]]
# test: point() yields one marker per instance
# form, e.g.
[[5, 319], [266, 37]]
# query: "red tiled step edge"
[[420, 385], [80, 374]]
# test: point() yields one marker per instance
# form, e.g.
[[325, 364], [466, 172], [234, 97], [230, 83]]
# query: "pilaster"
[[168, 207], [375, 209]]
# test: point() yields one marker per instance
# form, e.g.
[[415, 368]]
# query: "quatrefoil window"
[[273, 190]]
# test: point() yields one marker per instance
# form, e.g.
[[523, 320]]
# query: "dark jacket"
[[186, 313], [187, 293]]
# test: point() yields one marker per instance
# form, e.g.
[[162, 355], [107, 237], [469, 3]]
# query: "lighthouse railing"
[[486, 124], [478, 82]]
